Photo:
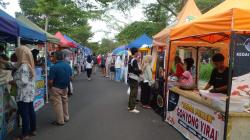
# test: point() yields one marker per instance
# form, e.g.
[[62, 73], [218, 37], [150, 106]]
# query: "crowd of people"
[[112, 67], [22, 80], [134, 70]]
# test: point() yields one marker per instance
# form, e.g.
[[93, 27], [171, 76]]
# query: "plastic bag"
[[128, 91], [71, 88]]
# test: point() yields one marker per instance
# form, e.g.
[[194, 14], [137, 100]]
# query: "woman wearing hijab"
[[147, 81], [24, 79], [118, 66], [89, 66]]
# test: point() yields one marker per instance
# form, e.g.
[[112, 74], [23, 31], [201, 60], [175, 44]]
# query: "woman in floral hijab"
[[24, 79]]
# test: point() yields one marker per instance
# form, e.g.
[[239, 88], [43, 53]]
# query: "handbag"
[[13, 91]]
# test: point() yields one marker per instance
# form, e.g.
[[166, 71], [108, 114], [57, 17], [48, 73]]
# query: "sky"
[[101, 29]]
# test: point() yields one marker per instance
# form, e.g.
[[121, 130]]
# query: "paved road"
[[98, 111]]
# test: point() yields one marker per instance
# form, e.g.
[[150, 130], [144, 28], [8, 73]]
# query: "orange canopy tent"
[[214, 28], [189, 12], [217, 24], [217, 28]]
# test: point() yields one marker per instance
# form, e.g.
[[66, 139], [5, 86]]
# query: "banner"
[[241, 73], [195, 121], [241, 68], [40, 90]]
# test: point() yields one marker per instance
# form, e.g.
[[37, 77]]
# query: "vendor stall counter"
[[198, 117]]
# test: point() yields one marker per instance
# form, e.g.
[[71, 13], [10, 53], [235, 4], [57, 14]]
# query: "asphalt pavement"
[[98, 111]]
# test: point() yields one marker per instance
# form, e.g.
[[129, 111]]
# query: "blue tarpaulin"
[[118, 50], [87, 51], [140, 41], [29, 35], [73, 41], [10, 26]]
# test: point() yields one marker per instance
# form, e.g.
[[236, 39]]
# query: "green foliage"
[[206, 5], [205, 71], [136, 29], [106, 46], [156, 13], [64, 15], [94, 46]]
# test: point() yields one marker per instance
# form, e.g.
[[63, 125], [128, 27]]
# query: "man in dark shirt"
[[134, 72], [219, 77], [59, 79]]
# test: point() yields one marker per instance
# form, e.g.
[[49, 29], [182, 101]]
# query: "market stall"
[[199, 114], [188, 13], [41, 78], [12, 31]]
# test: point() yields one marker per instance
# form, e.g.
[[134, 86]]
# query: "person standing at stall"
[[89, 66], [187, 80], [179, 67], [108, 63], [220, 75], [95, 66], [24, 80], [59, 80], [103, 67], [118, 66], [147, 82], [134, 72]]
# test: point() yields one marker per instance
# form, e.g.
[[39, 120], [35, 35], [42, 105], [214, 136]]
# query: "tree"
[[64, 15], [156, 13], [136, 29], [94, 46], [106, 46], [171, 6]]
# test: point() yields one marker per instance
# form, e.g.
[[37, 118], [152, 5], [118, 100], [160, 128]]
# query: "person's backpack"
[[103, 61], [130, 65]]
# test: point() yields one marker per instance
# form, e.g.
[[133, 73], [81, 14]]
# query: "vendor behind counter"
[[218, 80], [220, 75]]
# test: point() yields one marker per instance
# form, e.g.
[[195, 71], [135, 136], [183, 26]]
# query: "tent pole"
[[46, 72], [46, 60], [166, 79], [231, 55], [197, 66]]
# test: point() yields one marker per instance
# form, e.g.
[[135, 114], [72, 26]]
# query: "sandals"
[[57, 124]]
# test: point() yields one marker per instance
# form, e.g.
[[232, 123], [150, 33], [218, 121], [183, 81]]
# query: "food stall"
[[199, 114], [189, 12], [13, 32], [42, 49]]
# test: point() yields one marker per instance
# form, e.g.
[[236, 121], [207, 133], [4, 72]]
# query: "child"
[[112, 71], [187, 81]]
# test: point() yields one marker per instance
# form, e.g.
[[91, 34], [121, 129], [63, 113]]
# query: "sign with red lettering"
[[195, 121]]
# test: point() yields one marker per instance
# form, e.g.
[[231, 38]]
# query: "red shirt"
[[179, 70], [99, 59]]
